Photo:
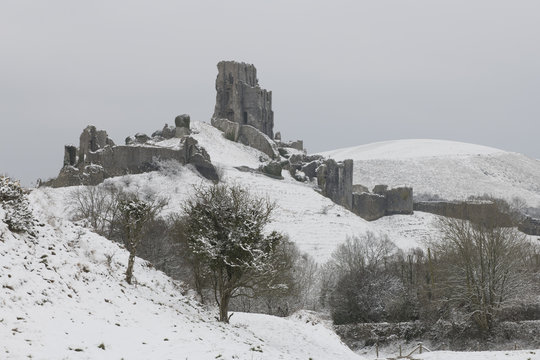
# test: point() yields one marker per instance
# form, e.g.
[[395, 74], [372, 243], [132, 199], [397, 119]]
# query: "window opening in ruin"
[[245, 117]]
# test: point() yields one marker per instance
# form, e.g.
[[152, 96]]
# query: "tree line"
[[219, 244]]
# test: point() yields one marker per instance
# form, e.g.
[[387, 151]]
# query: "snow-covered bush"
[[9, 189], [224, 232], [18, 216]]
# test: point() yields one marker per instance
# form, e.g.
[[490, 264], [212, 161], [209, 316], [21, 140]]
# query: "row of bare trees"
[[475, 272]]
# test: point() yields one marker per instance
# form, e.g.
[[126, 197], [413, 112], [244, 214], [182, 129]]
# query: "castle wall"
[[476, 211], [100, 159], [122, 160], [335, 181]]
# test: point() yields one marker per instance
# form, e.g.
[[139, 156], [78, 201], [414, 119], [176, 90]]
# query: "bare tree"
[[362, 288], [481, 266], [98, 205]]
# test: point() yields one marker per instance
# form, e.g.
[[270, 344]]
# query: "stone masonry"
[[240, 98], [98, 158], [335, 180]]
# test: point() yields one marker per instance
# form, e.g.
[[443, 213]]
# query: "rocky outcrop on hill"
[[247, 135], [530, 226], [382, 201], [98, 158]]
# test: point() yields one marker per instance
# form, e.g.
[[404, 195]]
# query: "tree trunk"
[[131, 262], [224, 308]]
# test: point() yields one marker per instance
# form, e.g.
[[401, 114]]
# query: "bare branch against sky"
[[342, 73]]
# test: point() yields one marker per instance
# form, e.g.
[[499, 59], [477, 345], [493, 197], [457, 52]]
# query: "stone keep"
[[240, 99]]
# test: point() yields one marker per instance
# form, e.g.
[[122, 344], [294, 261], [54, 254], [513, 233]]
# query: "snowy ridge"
[[449, 169], [410, 149], [62, 296]]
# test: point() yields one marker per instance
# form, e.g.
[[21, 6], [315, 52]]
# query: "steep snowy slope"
[[449, 169], [62, 296]]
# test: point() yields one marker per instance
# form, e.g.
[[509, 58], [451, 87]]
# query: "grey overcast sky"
[[342, 73]]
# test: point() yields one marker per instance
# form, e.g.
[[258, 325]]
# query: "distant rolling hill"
[[452, 170]]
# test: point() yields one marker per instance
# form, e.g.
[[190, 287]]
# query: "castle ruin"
[[243, 111], [240, 99]]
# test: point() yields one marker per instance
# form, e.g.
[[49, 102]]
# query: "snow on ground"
[[410, 231], [481, 355], [449, 169], [62, 296]]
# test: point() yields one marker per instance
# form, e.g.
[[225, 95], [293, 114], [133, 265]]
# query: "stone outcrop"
[[250, 136], [231, 130], [335, 181], [240, 99], [297, 145], [272, 169], [247, 135], [310, 169], [369, 206], [182, 123], [168, 132], [382, 201], [530, 226], [100, 159]]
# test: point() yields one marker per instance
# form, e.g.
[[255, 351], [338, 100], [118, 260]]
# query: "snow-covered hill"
[[62, 296], [62, 293], [312, 221], [452, 170]]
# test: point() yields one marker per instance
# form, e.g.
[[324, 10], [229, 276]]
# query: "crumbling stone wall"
[[369, 206], [335, 180], [476, 211], [98, 158], [399, 200], [382, 202], [92, 140], [240, 98]]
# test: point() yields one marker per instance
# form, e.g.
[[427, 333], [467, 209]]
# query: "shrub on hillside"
[[18, 216]]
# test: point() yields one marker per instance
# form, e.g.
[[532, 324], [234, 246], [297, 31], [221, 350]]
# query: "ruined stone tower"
[[240, 99]]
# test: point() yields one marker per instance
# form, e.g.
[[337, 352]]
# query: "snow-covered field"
[[452, 170]]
